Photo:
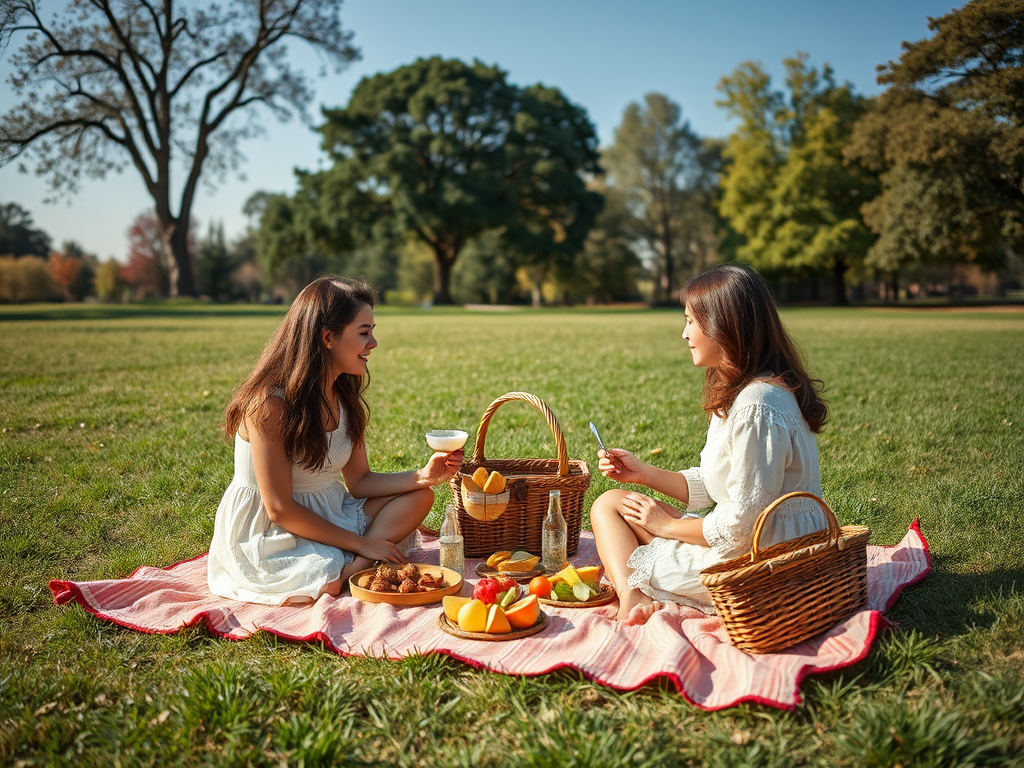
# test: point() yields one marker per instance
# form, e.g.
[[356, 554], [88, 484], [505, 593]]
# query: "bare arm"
[[622, 466], [366, 484], [274, 479]]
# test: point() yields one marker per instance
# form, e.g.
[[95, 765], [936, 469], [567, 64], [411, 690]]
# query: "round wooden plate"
[[358, 582], [482, 569], [453, 629], [605, 595]]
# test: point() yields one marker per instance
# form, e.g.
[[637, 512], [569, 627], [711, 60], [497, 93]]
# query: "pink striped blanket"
[[677, 643]]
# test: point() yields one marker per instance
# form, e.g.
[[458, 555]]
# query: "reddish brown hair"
[[735, 309], [295, 364]]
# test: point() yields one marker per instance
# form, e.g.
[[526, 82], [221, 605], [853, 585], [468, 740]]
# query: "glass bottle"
[[450, 542], [553, 535]]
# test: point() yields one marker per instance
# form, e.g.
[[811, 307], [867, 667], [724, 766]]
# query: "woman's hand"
[[622, 466], [441, 467], [647, 513], [381, 550]]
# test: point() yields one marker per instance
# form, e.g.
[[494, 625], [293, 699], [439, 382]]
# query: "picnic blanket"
[[678, 643]]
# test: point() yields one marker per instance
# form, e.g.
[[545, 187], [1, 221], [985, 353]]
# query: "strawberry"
[[487, 591]]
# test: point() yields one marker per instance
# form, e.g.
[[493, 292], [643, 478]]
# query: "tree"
[[161, 86], [446, 151], [214, 264], [656, 162], [948, 138], [788, 190], [608, 267], [64, 271], [17, 235], [108, 281]]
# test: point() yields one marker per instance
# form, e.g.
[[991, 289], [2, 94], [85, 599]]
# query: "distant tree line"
[[448, 183]]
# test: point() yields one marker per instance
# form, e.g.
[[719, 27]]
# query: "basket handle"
[[549, 417], [830, 516]]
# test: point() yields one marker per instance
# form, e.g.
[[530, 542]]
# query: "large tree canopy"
[[788, 191], [17, 235], [948, 137], [446, 151], [665, 176], [161, 86]]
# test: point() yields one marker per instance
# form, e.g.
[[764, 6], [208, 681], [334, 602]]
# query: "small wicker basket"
[[777, 597], [528, 483]]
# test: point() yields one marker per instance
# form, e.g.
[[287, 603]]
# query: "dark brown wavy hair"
[[735, 309], [295, 363]]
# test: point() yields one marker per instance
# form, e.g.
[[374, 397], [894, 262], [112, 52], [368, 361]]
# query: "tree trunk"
[[181, 276], [443, 277], [839, 282], [536, 295]]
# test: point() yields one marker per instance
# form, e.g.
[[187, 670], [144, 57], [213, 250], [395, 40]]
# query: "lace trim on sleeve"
[[767, 414], [699, 498]]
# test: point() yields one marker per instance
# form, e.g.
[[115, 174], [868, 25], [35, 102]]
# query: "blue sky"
[[601, 54]]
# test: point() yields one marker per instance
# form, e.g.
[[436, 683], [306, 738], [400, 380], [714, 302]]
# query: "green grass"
[[111, 458]]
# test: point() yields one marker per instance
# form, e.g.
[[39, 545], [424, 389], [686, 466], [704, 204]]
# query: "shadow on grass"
[[952, 601]]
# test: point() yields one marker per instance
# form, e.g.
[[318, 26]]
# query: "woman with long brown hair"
[[764, 413], [288, 529]]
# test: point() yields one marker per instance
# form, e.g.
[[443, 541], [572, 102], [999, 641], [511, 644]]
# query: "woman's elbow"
[[276, 511]]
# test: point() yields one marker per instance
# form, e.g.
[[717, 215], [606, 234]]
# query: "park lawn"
[[111, 458]]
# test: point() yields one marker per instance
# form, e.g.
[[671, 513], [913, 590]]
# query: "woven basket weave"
[[529, 481], [774, 598]]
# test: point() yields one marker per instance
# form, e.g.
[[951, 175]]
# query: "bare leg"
[[393, 518], [616, 539]]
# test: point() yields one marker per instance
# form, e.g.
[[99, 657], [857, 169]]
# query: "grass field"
[[111, 457]]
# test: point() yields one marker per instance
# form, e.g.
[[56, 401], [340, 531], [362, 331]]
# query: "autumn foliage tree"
[[64, 270], [168, 88]]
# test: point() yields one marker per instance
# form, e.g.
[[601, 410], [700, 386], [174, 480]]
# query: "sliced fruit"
[[591, 572], [568, 575], [524, 614], [480, 476], [582, 592], [509, 596], [452, 604], [497, 558], [468, 484], [495, 483], [563, 591], [473, 616], [519, 562], [497, 623]]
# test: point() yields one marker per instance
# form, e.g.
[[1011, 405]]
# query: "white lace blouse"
[[763, 449]]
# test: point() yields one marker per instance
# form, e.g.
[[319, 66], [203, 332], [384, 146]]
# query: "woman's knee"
[[607, 505]]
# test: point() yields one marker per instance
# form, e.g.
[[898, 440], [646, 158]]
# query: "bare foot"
[[630, 599], [641, 613]]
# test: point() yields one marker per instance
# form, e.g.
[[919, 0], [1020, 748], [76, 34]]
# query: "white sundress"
[[257, 561], [763, 449]]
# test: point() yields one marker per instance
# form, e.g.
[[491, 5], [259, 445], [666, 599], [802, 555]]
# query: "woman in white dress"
[[288, 529], [764, 412]]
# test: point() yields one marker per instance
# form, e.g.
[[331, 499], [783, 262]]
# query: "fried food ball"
[[410, 571], [427, 581], [385, 571], [408, 586], [380, 584]]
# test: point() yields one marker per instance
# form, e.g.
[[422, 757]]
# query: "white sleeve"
[[698, 498], [761, 447]]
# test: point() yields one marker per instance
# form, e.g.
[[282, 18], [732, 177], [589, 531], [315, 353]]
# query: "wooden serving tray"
[[358, 581], [453, 629], [605, 595]]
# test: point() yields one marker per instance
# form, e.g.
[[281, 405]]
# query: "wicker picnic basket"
[[528, 483], [774, 598]]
